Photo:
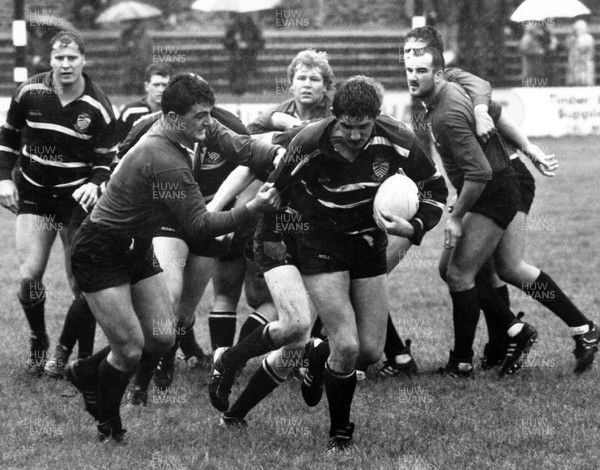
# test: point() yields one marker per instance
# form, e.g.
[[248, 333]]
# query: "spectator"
[[135, 47], [243, 40], [538, 48], [580, 65]]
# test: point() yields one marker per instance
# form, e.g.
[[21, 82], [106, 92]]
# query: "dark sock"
[[91, 365], [80, 325], [255, 320], [393, 343], [502, 292], [320, 355], [187, 339], [465, 313], [33, 297], [221, 326], [112, 384], [257, 343], [262, 383], [547, 292], [143, 374], [317, 329], [498, 315], [340, 391]]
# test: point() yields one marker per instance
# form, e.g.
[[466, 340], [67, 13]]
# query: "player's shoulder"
[[229, 120], [310, 134], [38, 84], [388, 127]]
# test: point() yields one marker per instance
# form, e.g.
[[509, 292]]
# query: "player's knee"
[[371, 354], [347, 349], [257, 297], [458, 279], [160, 344], [508, 273], [31, 290], [129, 354], [296, 330]]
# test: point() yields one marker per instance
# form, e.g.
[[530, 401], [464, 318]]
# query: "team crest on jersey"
[[381, 166], [214, 157], [83, 122]]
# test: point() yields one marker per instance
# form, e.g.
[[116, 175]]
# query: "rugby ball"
[[397, 195]]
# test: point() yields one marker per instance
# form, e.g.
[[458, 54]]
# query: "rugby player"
[[487, 203], [156, 78], [69, 142], [516, 271], [112, 256], [333, 171]]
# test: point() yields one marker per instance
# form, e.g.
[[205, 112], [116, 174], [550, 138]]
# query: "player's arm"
[[459, 137], [10, 140], [281, 121], [480, 92], [511, 131], [263, 122], [242, 149], [238, 180], [196, 221]]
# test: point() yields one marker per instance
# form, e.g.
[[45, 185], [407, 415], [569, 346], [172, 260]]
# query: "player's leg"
[[228, 281], [80, 324], [35, 235], [287, 288], [513, 269], [398, 355], [330, 293], [480, 236], [197, 274]]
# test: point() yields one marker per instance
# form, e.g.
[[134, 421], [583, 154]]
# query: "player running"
[[68, 128]]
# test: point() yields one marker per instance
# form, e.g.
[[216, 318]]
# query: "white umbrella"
[[126, 11], [539, 10], [241, 6]]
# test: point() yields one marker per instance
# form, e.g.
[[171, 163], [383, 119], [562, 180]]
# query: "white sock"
[[515, 329], [579, 330], [402, 358]]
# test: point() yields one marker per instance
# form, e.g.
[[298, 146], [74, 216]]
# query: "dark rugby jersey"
[[453, 130], [214, 165], [262, 123], [478, 89], [335, 194], [129, 115], [64, 147], [154, 185]]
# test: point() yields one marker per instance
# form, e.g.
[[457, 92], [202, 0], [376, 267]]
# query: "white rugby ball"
[[397, 195]]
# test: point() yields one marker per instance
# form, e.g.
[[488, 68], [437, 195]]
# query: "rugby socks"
[[465, 313], [393, 344], [339, 387], [112, 384], [262, 383], [257, 343], [80, 325], [33, 297], [255, 320], [547, 292], [187, 339], [221, 326], [143, 374], [502, 292], [90, 366], [498, 316]]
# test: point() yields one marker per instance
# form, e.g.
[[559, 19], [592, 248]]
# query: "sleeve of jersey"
[[10, 138], [188, 207], [242, 149], [262, 123], [105, 151], [465, 147], [433, 191], [478, 89]]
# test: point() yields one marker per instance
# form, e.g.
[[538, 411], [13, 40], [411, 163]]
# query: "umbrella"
[[241, 6], [539, 10], [127, 11]]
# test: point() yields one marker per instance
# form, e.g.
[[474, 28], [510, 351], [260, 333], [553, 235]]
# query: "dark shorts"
[[54, 206], [362, 255], [263, 261], [526, 184], [101, 260], [226, 250], [499, 200]]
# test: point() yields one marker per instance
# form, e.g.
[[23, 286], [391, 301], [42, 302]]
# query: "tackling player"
[[69, 143], [112, 256]]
